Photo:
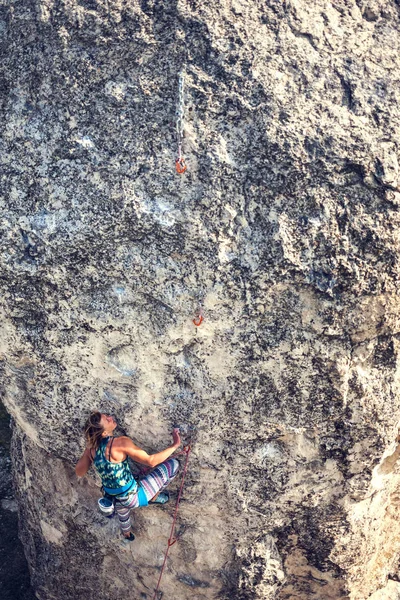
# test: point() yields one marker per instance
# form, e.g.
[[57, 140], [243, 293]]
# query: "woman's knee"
[[174, 465]]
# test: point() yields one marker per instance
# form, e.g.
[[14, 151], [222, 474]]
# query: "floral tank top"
[[116, 477]]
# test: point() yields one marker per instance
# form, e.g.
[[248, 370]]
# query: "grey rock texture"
[[14, 573], [285, 229]]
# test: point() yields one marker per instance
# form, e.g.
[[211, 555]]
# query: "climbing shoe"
[[162, 498], [130, 538]]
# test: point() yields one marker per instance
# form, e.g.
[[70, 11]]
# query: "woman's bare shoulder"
[[123, 441]]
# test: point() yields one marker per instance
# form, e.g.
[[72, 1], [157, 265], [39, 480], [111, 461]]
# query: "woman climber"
[[110, 457]]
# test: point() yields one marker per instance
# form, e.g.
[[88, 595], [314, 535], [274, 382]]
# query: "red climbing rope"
[[172, 539]]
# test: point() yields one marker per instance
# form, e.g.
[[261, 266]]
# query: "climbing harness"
[[172, 539], [180, 164]]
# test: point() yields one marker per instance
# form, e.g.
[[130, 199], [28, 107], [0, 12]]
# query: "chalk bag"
[[106, 507]]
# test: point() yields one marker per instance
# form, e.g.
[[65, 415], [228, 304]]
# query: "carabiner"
[[198, 320], [180, 165]]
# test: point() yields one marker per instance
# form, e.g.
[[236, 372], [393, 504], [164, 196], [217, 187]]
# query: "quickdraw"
[[180, 164], [198, 320], [172, 539]]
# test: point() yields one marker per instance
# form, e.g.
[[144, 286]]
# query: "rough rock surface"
[[14, 573], [285, 229]]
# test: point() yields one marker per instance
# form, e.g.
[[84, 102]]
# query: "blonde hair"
[[94, 430]]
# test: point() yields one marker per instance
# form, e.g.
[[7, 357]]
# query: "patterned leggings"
[[150, 485]]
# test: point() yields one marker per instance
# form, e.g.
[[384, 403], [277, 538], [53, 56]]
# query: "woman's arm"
[[83, 464], [141, 456]]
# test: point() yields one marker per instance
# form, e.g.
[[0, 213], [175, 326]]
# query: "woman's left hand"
[[176, 437]]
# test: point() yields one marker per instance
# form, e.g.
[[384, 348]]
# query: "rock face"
[[14, 574], [284, 231]]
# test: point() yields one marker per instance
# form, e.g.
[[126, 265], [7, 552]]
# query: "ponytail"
[[94, 430]]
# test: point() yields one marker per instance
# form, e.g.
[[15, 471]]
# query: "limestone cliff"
[[284, 229]]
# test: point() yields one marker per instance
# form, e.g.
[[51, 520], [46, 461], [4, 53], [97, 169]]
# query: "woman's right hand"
[[176, 437]]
